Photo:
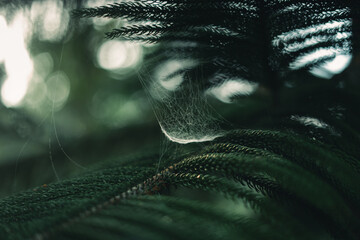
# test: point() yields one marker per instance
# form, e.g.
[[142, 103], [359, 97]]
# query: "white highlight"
[[330, 68], [172, 83], [97, 3], [165, 70], [164, 84], [52, 23], [231, 88], [171, 137], [13, 92], [308, 42], [337, 65], [134, 54], [303, 60], [3, 40], [309, 121], [18, 65], [114, 54], [298, 33]]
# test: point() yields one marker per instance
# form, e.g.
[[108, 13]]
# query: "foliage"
[[291, 173]]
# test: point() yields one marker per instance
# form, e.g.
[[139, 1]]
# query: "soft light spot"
[[337, 65], [114, 54], [96, 3], [52, 23], [58, 88], [172, 83], [134, 54], [3, 32], [13, 92], [225, 91], [168, 77], [116, 111], [322, 73], [164, 72], [18, 65], [330, 68], [43, 64]]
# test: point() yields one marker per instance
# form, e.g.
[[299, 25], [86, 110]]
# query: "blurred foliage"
[[105, 114]]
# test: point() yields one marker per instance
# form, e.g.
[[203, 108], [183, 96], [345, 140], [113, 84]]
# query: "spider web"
[[179, 103]]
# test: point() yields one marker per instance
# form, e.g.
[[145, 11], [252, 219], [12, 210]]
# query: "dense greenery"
[[287, 168]]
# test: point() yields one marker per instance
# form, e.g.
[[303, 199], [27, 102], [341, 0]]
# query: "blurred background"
[[67, 95]]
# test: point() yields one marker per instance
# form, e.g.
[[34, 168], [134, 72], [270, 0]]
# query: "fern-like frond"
[[278, 187], [286, 31]]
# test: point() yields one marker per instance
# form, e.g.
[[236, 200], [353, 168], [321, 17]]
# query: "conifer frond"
[[288, 31], [279, 189]]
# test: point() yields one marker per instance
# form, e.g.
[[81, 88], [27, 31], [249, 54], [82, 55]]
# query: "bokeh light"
[[114, 55], [51, 25], [335, 66], [58, 88], [229, 89], [12, 92], [18, 64], [3, 40]]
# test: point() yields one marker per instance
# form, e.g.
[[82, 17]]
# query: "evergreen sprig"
[[242, 26]]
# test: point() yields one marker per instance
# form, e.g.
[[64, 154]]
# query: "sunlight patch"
[[336, 57], [310, 121], [165, 73], [302, 61], [304, 32], [227, 90]]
